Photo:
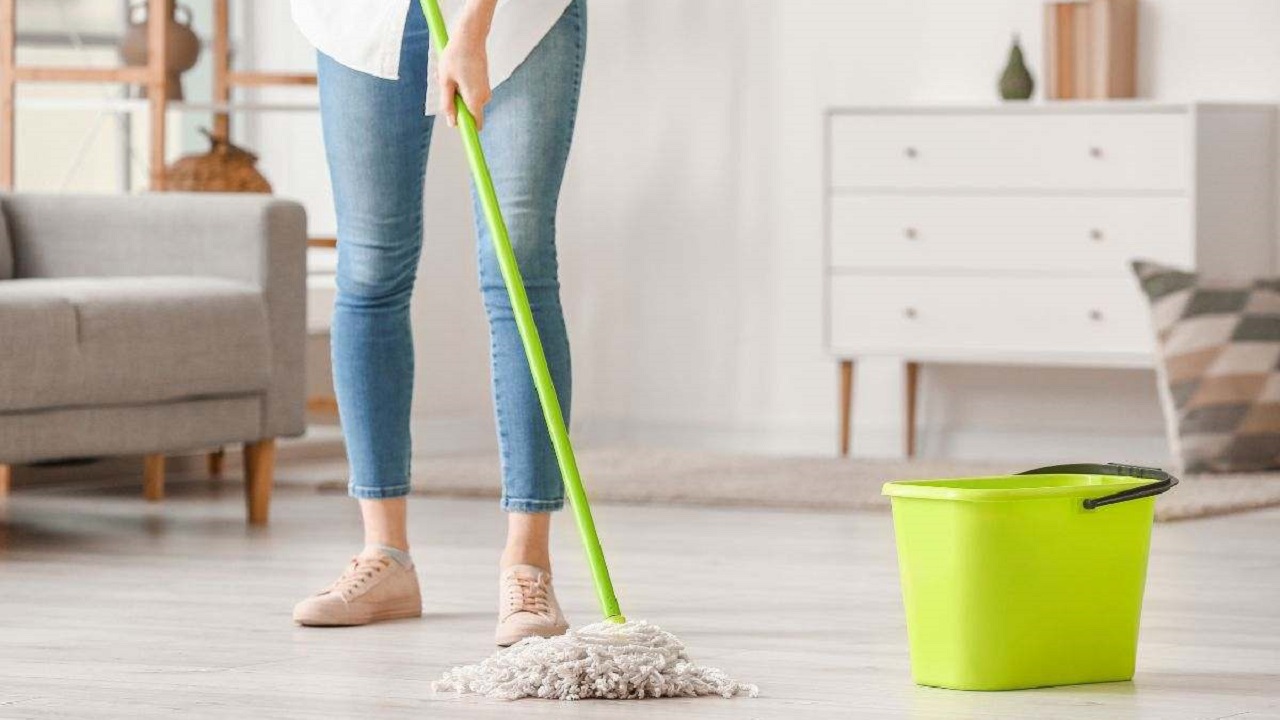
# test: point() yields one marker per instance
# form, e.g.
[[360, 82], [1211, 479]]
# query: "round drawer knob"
[[910, 152], [910, 313], [1095, 315], [910, 233], [1095, 235], [1095, 152]]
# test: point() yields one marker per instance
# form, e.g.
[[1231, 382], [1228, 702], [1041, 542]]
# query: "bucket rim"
[[1080, 486]]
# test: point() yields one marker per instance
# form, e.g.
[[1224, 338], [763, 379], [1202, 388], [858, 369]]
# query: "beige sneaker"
[[370, 590], [527, 606]]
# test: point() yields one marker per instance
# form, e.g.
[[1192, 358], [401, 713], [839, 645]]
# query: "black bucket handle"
[[1164, 481]]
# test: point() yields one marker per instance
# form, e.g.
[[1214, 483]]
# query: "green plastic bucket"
[[1028, 580]]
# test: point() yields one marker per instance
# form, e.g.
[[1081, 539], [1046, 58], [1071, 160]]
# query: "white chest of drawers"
[[1003, 234]]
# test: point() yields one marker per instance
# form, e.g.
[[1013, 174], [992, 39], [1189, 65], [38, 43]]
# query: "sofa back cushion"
[[1219, 361], [6, 247]]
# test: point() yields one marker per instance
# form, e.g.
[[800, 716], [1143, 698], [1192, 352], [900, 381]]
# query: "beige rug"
[[632, 475]]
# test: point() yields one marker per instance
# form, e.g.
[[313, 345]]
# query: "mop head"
[[614, 661]]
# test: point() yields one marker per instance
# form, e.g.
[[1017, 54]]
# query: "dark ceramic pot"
[[184, 44]]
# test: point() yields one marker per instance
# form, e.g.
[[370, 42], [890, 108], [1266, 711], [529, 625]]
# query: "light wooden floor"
[[111, 608]]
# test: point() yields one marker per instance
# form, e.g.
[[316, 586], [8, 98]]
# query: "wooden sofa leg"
[[6, 475], [216, 460], [259, 473], [153, 477]]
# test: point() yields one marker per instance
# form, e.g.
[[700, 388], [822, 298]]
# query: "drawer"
[[1012, 152], [902, 314], [1068, 234]]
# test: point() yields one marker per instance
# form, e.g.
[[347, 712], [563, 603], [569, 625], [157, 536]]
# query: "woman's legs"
[[376, 137], [528, 540], [385, 523], [528, 131]]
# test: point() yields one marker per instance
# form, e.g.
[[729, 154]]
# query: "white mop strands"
[[631, 660]]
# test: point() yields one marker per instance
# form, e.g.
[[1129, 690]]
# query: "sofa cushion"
[[6, 247], [1220, 366], [75, 342]]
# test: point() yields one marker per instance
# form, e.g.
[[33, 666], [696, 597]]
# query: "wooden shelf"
[[129, 75], [246, 107], [117, 104], [121, 104], [262, 79], [152, 75]]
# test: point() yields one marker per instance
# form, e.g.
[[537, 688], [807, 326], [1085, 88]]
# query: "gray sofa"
[[151, 325]]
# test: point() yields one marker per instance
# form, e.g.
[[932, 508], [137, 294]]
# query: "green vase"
[[1016, 82]]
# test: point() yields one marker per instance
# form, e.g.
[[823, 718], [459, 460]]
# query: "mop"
[[614, 659]]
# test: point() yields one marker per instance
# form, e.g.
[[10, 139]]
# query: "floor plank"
[[113, 607]]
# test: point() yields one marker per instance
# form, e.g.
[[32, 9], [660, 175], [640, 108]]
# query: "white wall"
[[691, 223]]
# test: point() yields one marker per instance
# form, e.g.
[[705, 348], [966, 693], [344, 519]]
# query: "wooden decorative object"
[[1115, 46], [182, 44], [225, 168], [1090, 49]]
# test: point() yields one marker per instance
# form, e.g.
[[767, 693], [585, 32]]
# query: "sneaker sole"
[[379, 616]]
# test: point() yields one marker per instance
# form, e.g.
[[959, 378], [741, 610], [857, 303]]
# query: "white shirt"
[[365, 35]]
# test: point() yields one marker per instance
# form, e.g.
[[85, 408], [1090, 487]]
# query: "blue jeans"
[[376, 138]]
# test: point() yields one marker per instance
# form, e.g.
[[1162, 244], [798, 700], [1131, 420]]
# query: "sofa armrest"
[[257, 239]]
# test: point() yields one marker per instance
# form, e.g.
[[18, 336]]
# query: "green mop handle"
[[529, 335]]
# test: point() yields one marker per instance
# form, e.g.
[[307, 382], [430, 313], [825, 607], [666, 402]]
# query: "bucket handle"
[[1164, 481]]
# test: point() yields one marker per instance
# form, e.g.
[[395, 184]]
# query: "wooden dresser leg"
[[153, 477], [6, 476], [216, 460], [259, 473], [846, 406], [913, 388]]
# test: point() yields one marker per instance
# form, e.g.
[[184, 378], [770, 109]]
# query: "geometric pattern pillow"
[[1219, 365]]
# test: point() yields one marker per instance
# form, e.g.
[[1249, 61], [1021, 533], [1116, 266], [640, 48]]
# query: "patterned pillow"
[[1220, 367]]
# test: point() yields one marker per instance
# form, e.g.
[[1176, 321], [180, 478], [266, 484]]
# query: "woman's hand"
[[464, 64]]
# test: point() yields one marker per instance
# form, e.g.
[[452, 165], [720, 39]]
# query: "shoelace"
[[357, 575], [526, 594]]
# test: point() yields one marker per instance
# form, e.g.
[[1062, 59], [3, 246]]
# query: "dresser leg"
[[912, 388], [846, 406]]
